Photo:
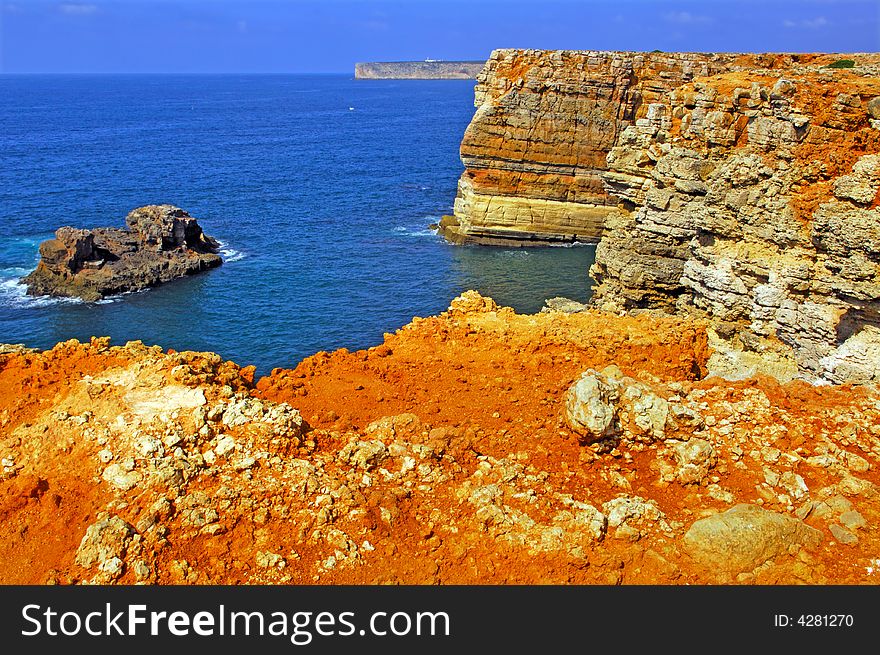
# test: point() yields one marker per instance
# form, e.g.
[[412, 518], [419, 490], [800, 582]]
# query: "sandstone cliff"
[[738, 187], [545, 122], [477, 446], [161, 243]]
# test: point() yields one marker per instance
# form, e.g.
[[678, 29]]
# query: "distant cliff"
[[418, 70]]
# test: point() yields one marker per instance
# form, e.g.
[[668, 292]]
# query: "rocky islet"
[[160, 243]]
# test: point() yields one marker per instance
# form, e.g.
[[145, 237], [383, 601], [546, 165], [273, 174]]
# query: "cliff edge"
[[477, 446], [545, 122], [751, 198]]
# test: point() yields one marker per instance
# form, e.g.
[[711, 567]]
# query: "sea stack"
[[160, 243]]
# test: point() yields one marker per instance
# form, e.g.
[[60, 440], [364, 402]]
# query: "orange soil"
[[492, 382]]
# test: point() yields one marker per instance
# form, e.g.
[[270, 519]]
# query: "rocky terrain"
[[160, 243], [536, 149], [417, 70], [474, 446], [752, 199]]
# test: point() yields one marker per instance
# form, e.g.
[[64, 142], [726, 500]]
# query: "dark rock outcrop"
[[160, 243]]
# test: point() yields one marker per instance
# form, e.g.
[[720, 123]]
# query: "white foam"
[[414, 232], [14, 294], [230, 254]]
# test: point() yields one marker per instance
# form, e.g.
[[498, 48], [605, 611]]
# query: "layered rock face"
[[161, 243], [752, 198], [545, 122], [477, 446]]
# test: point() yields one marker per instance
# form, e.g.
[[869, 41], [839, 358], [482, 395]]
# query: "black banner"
[[432, 619]]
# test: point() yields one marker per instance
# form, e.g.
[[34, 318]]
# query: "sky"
[[322, 36]]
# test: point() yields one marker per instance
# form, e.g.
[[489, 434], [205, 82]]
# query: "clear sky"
[[331, 35]]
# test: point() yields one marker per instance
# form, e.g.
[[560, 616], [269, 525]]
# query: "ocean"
[[320, 188]]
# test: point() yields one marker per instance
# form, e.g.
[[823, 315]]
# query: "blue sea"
[[320, 188]]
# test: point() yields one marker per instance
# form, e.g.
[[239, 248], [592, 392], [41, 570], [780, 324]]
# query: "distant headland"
[[429, 69]]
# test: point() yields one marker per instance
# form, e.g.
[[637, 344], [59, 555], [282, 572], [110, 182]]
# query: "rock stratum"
[[160, 243], [752, 198], [477, 446], [417, 70], [536, 150]]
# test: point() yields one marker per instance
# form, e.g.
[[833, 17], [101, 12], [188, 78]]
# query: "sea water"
[[321, 189]]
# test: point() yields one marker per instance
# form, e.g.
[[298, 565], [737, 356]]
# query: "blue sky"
[[330, 35]]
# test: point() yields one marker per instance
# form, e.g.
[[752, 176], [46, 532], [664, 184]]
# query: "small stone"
[[564, 305], [856, 463], [225, 444], [113, 567], [804, 510], [119, 477], [104, 540], [794, 485], [364, 454], [171, 440], [142, 571], [744, 537], [591, 405], [694, 458], [784, 87], [842, 535], [267, 560], [244, 463], [853, 520]]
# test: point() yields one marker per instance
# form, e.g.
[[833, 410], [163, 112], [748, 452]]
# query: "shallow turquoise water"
[[321, 189]]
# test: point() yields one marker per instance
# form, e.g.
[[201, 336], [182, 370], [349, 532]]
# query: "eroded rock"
[[161, 243], [744, 537], [604, 404]]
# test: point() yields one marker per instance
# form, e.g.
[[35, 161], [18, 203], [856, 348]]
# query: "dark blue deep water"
[[321, 189]]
